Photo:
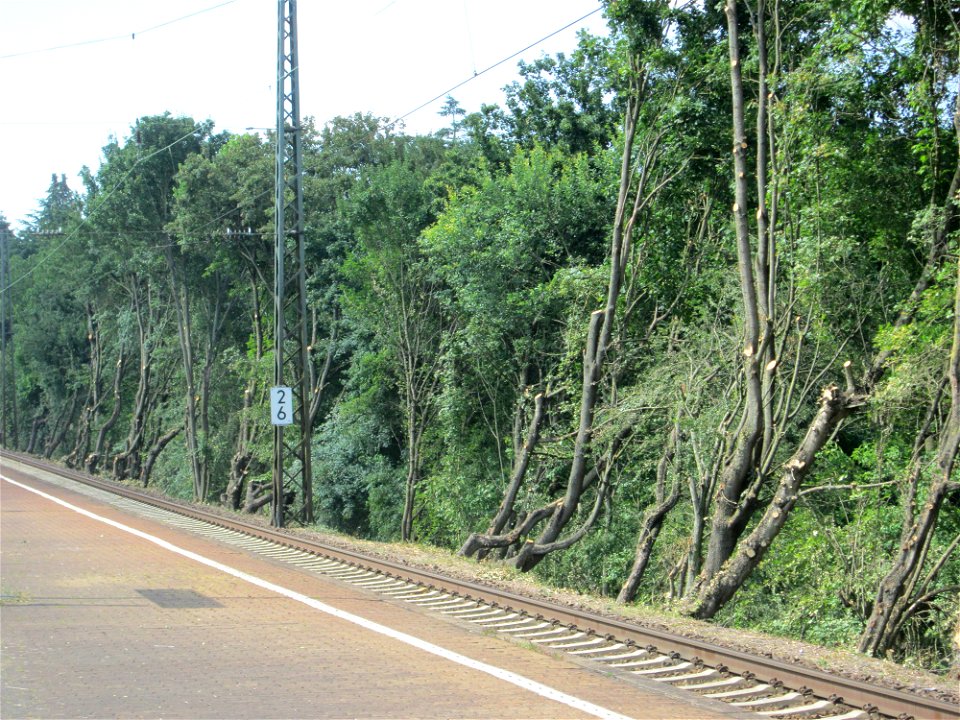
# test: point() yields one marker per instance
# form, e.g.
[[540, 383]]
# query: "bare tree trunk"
[[127, 463], [258, 496], [412, 479], [731, 507], [701, 489], [61, 425], [834, 406], [243, 455], [319, 381], [895, 592], [81, 442], [181, 302], [599, 333], [91, 407], [154, 453], [93, 459], [653, 519], [39, 421], [217, 317], [528, 549], [637, 191], [416, 341], [599, 330], [714, 591], [478, 541], [520, 464], [561, 510], [243, 452], [766, 236]]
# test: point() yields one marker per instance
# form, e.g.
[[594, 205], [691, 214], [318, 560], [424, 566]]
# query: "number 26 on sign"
[[281, 406]]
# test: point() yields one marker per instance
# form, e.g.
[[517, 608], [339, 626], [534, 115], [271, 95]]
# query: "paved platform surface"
[[97, 623]]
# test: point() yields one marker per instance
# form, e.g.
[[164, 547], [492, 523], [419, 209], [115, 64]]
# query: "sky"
[[74, 73]]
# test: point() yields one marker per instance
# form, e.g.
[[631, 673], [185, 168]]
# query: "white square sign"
[[281, 406]]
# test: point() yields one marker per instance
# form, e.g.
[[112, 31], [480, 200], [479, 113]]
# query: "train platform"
[[101, 618]]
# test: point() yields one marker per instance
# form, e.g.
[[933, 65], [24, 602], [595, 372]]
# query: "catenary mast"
[[292, 481]]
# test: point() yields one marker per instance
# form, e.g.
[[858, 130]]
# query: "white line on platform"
[[499, 673]]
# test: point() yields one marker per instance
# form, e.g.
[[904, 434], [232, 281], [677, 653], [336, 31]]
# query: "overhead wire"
[[73, 233], [475, 75], [385, 8], [466, 17], [399, 119], [130, 35]]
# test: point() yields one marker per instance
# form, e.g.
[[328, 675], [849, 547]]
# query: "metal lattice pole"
[[292, 479]]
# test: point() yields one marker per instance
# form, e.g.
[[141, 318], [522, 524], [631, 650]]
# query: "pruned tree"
[[648, 164], [396, 298], [748, 466]]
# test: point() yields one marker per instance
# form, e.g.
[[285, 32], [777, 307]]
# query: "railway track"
[[751, 684]]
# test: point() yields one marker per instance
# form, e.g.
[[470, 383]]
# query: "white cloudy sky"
[[217, 60]]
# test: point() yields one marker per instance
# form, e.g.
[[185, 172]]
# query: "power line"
[[491, 67], [385, 8], [131, 35], [73, 233], [193, 239], [473, 56], [214, 7]]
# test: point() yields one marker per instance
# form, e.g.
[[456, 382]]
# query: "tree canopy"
[[679, 323]]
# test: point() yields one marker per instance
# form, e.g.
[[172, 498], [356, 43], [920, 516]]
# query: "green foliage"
[[450, 279], [359, 481], [599, 565], [844, 540], [458, 493], [563, 102]]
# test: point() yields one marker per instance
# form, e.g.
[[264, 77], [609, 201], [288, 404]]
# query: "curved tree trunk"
[[154, 453], [894, 595], [653, 520], [181, 302], [416, 337], [637, 190], [593, 356], [713, 592], [258, 495], [128, 462], [834, 406], [243, 452], [249, 428], [91, 407], [39, 421], [92, 461], [599, 332], [506, 510], [61, 425], [732, 507]]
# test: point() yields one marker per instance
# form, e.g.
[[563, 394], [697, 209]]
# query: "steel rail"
[[851, 692]]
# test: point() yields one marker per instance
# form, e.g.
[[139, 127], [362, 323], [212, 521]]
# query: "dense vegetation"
[[576, 333]]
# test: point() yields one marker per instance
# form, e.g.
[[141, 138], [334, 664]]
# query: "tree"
[[910, 584], [8, 383], [222, 200], [132, 203], [648, 164], [563, 100], [453, 111], [748, 465], [395, 298], [52, 347], [516, 252]]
